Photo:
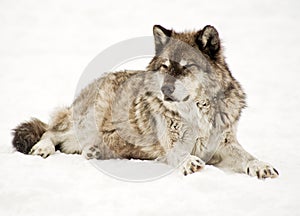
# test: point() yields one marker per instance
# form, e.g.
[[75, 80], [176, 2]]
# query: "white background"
[[44, 48]]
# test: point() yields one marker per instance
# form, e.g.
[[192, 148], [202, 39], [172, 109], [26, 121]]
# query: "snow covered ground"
[[44, 48]]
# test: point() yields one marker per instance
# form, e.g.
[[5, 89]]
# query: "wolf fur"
[[183, 110]]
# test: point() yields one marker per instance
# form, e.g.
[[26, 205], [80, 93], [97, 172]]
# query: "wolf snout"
[[168, 91], [171, 94]]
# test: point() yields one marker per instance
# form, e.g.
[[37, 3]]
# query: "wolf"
[[182, 110]]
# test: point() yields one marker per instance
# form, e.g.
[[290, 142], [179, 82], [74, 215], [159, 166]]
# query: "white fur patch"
[[43, 148], [183, 62]]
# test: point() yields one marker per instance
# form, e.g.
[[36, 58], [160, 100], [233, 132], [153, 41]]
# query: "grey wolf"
[[182, 110]]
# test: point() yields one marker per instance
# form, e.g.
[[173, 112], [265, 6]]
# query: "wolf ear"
[[161, 37], [208, 41]]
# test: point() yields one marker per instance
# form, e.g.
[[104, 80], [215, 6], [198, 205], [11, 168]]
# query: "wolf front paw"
[[192, 164], [43, 148], [261, 170]]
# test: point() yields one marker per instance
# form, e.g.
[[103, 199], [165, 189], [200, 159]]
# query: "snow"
[[45, 46]]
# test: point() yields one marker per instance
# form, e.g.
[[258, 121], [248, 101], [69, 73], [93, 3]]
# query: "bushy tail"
[[27, 134]]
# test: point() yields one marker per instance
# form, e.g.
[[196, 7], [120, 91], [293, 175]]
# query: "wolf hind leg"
[[44, 147], [60, 132]]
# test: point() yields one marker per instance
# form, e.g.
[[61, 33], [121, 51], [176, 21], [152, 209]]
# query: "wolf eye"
[[191, 65]]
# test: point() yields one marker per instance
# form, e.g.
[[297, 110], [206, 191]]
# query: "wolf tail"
[[27, 134]]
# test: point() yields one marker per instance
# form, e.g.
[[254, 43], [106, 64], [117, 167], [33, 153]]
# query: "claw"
[[276, 171], [257, 174]]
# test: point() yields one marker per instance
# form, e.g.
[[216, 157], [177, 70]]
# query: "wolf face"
[[194, 68]]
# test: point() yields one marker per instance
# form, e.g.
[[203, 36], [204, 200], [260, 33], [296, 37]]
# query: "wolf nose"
[[167, 90]]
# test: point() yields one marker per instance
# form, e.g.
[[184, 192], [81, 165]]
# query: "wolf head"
[[188, 58], [193, 67]]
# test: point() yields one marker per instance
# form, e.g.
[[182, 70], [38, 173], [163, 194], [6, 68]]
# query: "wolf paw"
[[43, 148], [92, 152], [261, 170], [192, 164]]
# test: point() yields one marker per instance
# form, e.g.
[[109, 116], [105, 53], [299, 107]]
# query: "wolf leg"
[[44, 147], [232, 156], [192, 164], [186, 163], [66, 140], [181, 159], [60, 132]]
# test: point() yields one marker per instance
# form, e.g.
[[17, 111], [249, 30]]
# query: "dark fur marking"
[[212, 44], [92, 149]]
